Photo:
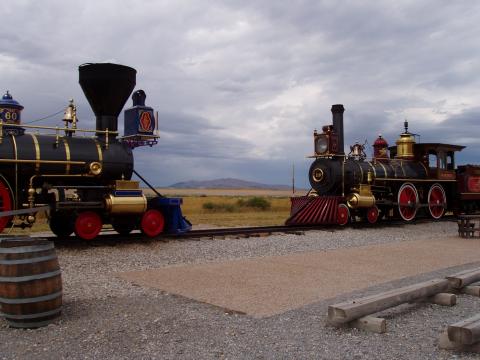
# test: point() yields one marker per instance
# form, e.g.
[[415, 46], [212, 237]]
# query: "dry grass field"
[[225, 211]]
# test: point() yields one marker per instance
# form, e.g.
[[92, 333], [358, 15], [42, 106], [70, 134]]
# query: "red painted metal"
[[88, 225], [6, 204], [343, 214], [152, 223], [372, 214], [317, 210]]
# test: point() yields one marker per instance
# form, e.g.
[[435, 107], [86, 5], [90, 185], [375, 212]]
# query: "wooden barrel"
[[30, 282]]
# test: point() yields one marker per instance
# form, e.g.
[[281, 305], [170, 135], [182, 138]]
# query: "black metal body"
[[340, 177]]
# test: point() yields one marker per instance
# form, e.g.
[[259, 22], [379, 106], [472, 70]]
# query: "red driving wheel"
[[88, 225], [6, 204], [407, 201], [437, 201], [152, 223], [372, 214], [343, 214]]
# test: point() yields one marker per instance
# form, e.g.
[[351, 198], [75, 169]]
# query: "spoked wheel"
[[343, 214], [152, 223], [88, 225], [123, 226], [372, 214], [62, 225], [6, 204], [407, 201], [437, 201]]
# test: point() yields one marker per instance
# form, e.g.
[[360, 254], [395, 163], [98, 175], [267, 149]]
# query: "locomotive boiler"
[[83, 177], [407, 180]]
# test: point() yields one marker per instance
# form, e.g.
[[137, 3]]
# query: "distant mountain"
[[226, 184]]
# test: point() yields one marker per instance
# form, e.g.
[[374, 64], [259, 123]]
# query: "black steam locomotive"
[[406, 180], [84, 181]]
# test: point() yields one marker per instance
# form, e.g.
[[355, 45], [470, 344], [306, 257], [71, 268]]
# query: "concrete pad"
[[271, 285]]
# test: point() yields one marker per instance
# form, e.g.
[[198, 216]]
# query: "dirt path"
[[271, 285]]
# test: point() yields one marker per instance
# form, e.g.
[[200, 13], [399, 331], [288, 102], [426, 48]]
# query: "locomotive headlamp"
[[321, 144]]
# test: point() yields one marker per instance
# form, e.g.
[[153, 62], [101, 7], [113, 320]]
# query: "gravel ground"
[[106, 317]]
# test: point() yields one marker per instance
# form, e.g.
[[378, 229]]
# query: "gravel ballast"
[[107, 317]]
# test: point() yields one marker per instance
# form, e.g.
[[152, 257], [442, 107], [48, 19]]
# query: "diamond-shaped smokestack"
[[107, 88]]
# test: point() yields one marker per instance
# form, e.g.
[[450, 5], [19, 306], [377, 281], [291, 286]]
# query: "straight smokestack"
[[337, 119]]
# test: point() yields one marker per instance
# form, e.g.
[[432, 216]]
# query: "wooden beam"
[[445, 343], [350, 310], [370, 323], [444, 299], [473, 290], [464, 278], [465, 332]]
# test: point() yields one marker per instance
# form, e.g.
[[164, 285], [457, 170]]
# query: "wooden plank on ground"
[[473, 290], [353, 309], [445, 343], [370, 323], [464, 278], [465, 332]]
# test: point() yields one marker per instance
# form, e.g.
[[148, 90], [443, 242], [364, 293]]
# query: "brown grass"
[[193, 210]]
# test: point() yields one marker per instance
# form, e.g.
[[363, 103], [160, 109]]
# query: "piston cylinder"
[[126, 204], [356, 200]]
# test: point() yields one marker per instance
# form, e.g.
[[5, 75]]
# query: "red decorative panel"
[[314, 210], [473, 184]]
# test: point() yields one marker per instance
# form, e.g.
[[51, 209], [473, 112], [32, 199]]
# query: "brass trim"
[[384, 170], [99, 151], [373, 168], [67, 155], [57, 128], [361, 170], [126, 204], [127, 185], [317, 175], [95, 168], [37, 152], [426, 170], [417, 180], [15, 150], [25, 161]]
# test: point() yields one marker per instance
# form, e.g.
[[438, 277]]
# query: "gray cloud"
[[240, 85]]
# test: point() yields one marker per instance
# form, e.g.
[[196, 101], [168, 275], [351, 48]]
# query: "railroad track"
[[109, 237]]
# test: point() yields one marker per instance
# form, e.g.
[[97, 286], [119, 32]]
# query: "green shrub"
[[255, 202], [215, 207]]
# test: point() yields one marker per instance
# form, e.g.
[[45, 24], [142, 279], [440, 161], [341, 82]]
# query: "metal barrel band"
[[16, 279], [26, 249], [31, 300], [32, 316], [28, 261]]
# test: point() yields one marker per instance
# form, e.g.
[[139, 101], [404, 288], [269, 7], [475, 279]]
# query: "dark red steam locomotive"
[[407, 180], [83, 177]]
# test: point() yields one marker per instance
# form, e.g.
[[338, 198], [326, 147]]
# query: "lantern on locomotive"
[[84, 181], [405, 181]]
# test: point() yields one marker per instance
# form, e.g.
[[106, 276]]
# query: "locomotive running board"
[[23, 211]]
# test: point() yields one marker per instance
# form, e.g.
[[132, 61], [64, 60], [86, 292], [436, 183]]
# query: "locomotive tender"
[[407, 180], [85, 181]]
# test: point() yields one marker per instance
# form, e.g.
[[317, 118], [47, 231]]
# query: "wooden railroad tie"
[[357, 312], [463, 335]]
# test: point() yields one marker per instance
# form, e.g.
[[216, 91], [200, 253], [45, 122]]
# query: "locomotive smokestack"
[[107, 88], [337, 119]]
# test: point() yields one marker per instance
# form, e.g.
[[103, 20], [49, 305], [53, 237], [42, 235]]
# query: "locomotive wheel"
[[343, 214], [152, 223], [61, 225], [436, 201], [372, 214], [88, 225], [123, 226], [6, 204], [407, 201]]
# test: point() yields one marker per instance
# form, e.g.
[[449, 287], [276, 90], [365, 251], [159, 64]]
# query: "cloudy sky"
[[240, 85]]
